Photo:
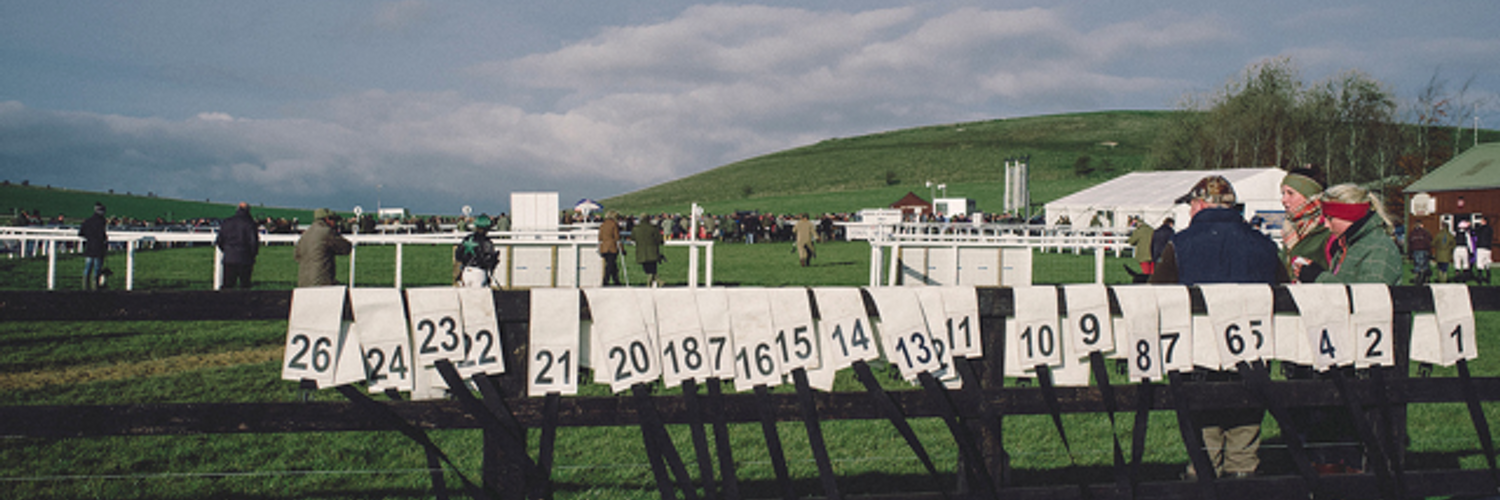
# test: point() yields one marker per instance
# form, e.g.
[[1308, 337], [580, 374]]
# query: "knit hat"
[[1213, 189], [1308, 186]]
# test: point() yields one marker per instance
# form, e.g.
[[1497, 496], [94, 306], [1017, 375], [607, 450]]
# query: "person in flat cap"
[[1303, 236], [1218, 246], [317, 248]]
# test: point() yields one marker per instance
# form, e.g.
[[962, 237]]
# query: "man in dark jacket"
[[1220, 247], [1419, 245], [1160, 237], [95, 245], [239, 239]]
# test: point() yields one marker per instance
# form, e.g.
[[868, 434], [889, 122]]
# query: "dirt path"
[[164, 366]]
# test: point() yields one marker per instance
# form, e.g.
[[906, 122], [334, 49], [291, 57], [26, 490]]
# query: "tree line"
[[1350, 126]]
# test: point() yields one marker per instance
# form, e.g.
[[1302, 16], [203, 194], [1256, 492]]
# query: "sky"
[[436, 105]]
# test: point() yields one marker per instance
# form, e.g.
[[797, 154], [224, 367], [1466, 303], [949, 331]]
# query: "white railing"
[[969, 235], [26, 242]]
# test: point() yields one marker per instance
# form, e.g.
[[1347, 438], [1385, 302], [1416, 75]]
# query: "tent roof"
[[1162, 188], [911, 200], [1477, 168]]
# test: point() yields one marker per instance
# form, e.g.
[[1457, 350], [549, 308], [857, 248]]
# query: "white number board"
[[756, 361], [1325, 321], [903, 331], [482, 352], [316, 336], [684, 350], [625, 353], [380, 320], [1371, 325], [1455, 321], [962, 324], [1176, 325], [1240, 326], [1088, 327], [553, 354], [1142, 331], [936, 316], [796, 341], [713, 315], [1036, 337]]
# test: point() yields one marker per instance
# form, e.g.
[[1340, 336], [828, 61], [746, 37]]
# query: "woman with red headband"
[[1361, 249]]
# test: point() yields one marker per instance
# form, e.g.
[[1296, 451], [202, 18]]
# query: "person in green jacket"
[[1140, 241], [316, 249], [1443, 243], [648, 240], [1360, 249], [1303, 237]]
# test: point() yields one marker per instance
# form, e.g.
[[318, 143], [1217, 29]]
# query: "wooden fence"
[[973, 413]]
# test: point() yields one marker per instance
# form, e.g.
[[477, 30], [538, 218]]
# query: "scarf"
[[1304, 219]]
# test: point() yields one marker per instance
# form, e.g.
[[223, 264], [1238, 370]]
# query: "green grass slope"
[[847, 174], [75, 205]]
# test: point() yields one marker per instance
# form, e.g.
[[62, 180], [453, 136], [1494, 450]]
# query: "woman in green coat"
[[648, 241], [1361, 249]]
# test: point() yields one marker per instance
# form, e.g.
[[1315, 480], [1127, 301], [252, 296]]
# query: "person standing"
[[476, 255], [1220, 247], [1303, 236], [1484, 236], [318, 247], [239, 240], [1443, 244], [1140, 241], [1419, 245], [1159, 239], [805, 233], [95, 246], [610, 249], [648, 241]]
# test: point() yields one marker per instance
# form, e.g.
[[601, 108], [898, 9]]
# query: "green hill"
[[76, 205], [846, 174]]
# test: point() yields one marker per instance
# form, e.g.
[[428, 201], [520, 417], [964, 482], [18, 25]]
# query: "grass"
[[67, 363]]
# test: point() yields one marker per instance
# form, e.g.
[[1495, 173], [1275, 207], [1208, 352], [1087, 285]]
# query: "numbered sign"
[[380, 320], [1088, 327], [684, 350], [936, 316], [962, 323], [316, 336], [756, 361], [1426, 342], [903, 331], [436, 324], [796, 341], [1205, 345], [1455, 321], [1037, 338], [1142, 331], [713, 314], [553, 354], [1291, 339], [482, 352], [1325, 321], [1371, 324], [844, 327], [1176, 325], [1239, 337], [625, 351]]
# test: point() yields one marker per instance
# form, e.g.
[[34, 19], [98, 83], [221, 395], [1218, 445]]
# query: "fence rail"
[[980, 408]]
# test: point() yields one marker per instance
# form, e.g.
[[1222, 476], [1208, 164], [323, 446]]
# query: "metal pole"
[[51, 264], [399, 255]]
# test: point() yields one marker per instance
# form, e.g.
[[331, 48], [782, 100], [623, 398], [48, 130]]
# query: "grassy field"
[[65, 363]]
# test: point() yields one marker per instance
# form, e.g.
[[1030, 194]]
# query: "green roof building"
[[1466, 186]]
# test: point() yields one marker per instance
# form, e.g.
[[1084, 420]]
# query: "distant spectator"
[[1419, 246], [317, 249], [610, 248], [648, 241], [804, 233], [239, 239], [1160, 237], [95, 246], [1140, 240]]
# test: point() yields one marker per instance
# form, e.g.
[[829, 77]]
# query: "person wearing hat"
[[95, 246], [476, 256], [610, 247], [1218, 246], [648, 240], [317, 248], [804, 233], [1304, 235]]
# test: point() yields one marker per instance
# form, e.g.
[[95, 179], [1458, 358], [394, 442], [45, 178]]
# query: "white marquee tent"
[[1151, 196]]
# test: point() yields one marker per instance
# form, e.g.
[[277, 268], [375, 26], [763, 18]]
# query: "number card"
[[844, 327], [1176, 325], [713, 315], [1426, 342], [1142, 330], [936, 315], [316, 337], [1088, 326], [962, 306], [1205, 345], [552, 363], [625, 351], [1455, 319], [1291, 339], [1239, 337], [1325, 319], [481, 332], [380, 319], [683, 347], [903, 331], [1371, 324], [796, 342], [1036, 337], [756, 361], [435, 313]]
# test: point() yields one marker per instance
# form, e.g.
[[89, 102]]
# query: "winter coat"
[[315, 254], [648, 241], [1364, 254], [1442, 246], [239, 238], [95, 237], [1140, 241], [609, 237], [1219, 247]]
